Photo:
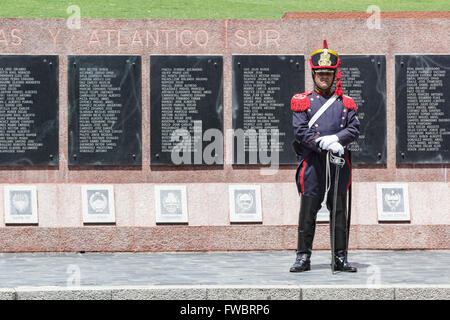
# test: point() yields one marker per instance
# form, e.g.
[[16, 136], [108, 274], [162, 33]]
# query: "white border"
[[242, 217], [98, 218], [176, 218], [389, 216], [20, 219]]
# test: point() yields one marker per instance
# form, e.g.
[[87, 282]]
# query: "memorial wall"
[[175, 135]]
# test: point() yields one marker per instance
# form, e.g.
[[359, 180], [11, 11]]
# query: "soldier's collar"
[[325, 94]]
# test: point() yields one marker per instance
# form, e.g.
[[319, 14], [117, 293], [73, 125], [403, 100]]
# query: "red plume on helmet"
[[338, 90]]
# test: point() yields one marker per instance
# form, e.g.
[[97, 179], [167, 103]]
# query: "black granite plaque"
[[422, 108], [186, 110], [263, 86], [105, 110], [28, 110], [364, 79]]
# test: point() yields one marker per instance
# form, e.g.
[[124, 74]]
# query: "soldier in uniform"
[[332, 131]]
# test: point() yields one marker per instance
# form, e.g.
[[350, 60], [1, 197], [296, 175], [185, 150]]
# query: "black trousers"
[[307, 223]]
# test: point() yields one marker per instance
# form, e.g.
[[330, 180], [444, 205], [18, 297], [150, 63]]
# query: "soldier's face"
[[324, 80]]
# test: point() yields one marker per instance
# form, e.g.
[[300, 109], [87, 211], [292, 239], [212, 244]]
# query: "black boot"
[[341, 263], [306, 229], [302, 263], [340, 253]]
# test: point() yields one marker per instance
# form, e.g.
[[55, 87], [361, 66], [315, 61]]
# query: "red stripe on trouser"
[[302, 175], [350, 178]]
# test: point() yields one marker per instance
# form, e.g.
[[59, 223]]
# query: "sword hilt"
[[336, 160]]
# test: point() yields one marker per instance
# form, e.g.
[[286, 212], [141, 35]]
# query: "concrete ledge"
[[159, 293], [424, 292], [345, 292], [253, 293], [63, 293], [7, 294], [294, 292]]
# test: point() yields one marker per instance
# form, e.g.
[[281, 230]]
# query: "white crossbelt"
[[322, 110]]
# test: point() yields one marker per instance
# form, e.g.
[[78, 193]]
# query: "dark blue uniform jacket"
[[339, 119]]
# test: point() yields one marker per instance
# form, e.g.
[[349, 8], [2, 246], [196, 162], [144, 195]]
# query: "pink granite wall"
[[59, 190]]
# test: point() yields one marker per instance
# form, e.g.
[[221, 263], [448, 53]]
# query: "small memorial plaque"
[[245, 203], [393, 204], [364, 80], [422, 86], [20, 205], [263, 86], [171, 204], [98, 204], [186, 110], [29, 110], [105, 110]]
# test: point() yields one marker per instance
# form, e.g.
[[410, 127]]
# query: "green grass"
[[203, 9]]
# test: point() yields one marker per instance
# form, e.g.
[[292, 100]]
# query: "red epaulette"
[[348, 102], [299, 101]]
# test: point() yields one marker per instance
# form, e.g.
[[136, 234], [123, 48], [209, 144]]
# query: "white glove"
[[336, 147], [326, 141]]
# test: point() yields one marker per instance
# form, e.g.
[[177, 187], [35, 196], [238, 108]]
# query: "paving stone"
[[375, 267]]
